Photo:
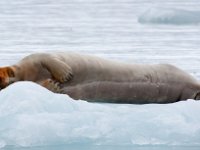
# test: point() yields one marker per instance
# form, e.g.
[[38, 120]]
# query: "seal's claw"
[[67, 77], [70, 75]]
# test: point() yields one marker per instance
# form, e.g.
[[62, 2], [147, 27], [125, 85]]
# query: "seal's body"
[[100, 80]]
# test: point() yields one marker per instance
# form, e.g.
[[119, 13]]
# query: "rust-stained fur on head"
[[6, 73]]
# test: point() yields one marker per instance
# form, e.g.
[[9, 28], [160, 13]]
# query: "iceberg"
[[30, 115], [169, 16]]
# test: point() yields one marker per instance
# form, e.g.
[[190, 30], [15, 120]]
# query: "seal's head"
[[6, 76]]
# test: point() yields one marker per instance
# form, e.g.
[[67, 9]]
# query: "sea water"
[[135, 31]]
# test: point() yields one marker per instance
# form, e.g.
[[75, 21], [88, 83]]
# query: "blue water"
[[109, 147], [106, 28]]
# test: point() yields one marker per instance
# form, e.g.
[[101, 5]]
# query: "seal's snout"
[[3, 84], [1, 87]]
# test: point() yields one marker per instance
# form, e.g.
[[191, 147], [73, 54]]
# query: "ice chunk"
[[169, 16], [30, 115]]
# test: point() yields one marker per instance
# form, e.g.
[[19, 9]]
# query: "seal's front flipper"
[[58, 69], [51, 85]]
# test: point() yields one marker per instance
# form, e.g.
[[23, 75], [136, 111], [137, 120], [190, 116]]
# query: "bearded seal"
[[95, 79]]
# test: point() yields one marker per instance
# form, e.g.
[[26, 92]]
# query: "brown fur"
[[6, 75], [95, 79]]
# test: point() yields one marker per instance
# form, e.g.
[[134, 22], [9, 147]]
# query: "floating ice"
[[30, 115], [169, 16]]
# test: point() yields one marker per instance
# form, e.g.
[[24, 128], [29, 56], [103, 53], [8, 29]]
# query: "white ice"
[[30, 115], [159, 15]]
